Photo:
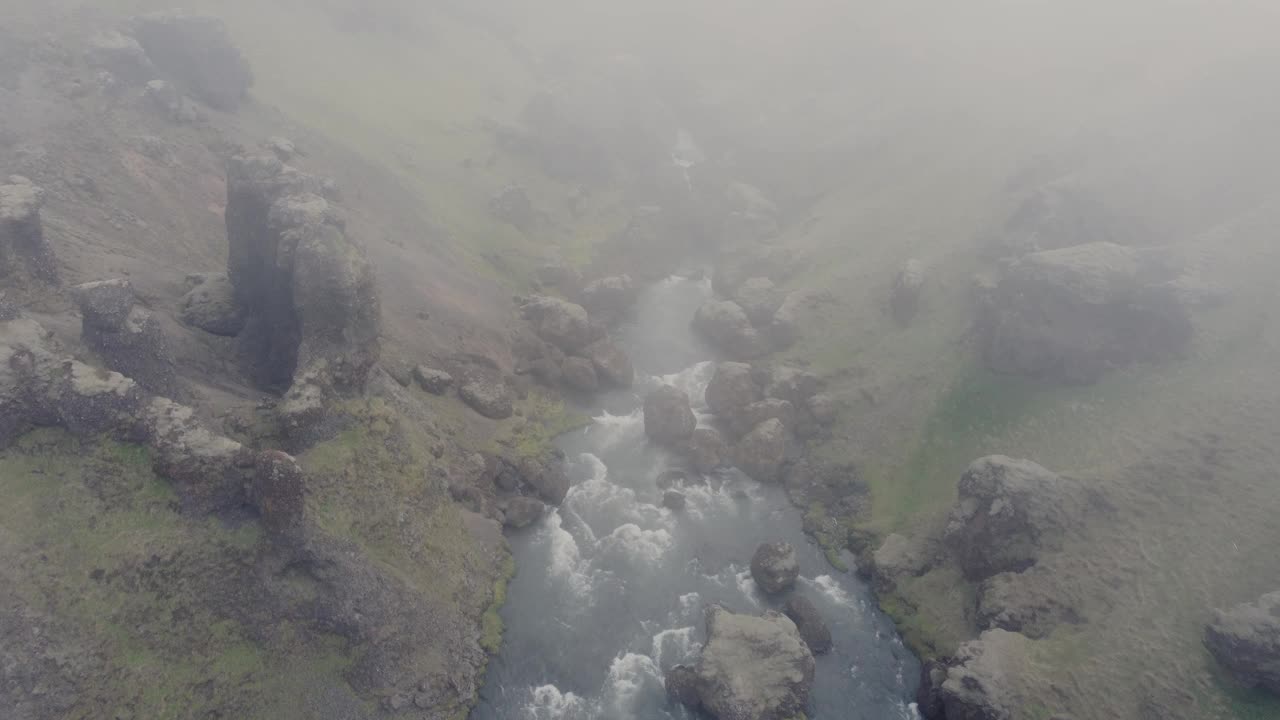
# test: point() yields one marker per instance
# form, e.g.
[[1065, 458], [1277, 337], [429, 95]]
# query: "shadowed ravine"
[[611, 587]]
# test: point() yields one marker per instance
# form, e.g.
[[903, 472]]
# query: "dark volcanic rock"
[[196, 53], [1068, 315], [559, 322], [707, 450], [774, 567], [279, 492], [731, 388], [753, 668], [673, 500], [979, 685], [546, 477], [750, 417], [682, 686], [210, 305], [521, 512], [761, 452], [128, 338], [1246, 640], [307, 293], [813, 629], [760, 299], [725, 325], [580, 374], [793, 385], [122, 56], [1032, 602], [490, 398], [613, 367], [23, 249], [610, 299], [436, 382], [668, 419], [1010, 512]]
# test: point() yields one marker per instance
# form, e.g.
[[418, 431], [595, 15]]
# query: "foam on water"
[[629, 676], [631, 544], [828, 586], [674, 646], [548, 703], [566, 559]]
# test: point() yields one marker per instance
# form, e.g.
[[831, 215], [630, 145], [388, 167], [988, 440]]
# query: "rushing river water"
[[611, 586]]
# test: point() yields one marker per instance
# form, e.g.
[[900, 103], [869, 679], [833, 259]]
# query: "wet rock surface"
[[812, 628], [559, 322], [981, 684], [761, 452], [726, 326], [668, 419], [774, 567], [752, 668], [731, 389]]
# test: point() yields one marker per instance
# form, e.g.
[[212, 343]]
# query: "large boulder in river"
[[753, 668], [521, 512], [725, 325], [731, 388], [761, 452], [774, 567], [707, 449], [668, 418], [210, 305], [759, 298], [310, 302], [128, 338], [195, 53], [1246, 641], [559, 322], [813, 629], [1010, 512], [23, 250], [1070, 314]]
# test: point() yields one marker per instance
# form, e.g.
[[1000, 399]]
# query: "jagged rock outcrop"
[[1032, 602], [612, 366], [580, 374], [752, 668], [609, 299], [1246, 641], [731, 388], [904, 299], [210, 305], [813, 629], [1068, 315], [1009, 513], [725, 325], [982, 683], [310, 302], [761, 452], [668, 418], [559, 322], [128, 338], [774, 567], [24, 253], [195, 52]]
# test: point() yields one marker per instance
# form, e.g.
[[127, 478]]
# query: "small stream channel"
[[611, 586]]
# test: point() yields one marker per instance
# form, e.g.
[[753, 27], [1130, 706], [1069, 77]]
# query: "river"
[[611, 586]]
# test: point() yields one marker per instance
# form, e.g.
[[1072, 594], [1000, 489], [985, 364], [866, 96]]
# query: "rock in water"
[[774, 567], [23, 250], [673, 500], [753, 668], [759, 299], [1068, 315], [196, 53], [310, 302], [1246, 641], [707, 450], [725, 325], [521, 512], [731, 388], [1009, 512], [613, 367], [682, 686], [668, 418], [129, 339], [813, 629], [211, 305], [761, 452], [610, 299], [559, 322]]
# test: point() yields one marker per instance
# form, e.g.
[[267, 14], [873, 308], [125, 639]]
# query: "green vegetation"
[[491, 625], [539, 419]]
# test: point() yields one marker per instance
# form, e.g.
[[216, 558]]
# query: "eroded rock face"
[[1010, 512], [210, 305], [774, 567], [1070, 314], [310, 302], [196, 53], [753, 668], [761, 452], [813, 629], [668, 418], [981, 684], [724, 324], [609, 299], [559, 322], [23, 249], [613, 367], [128, 338], [1246, 641], [731, 388]]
